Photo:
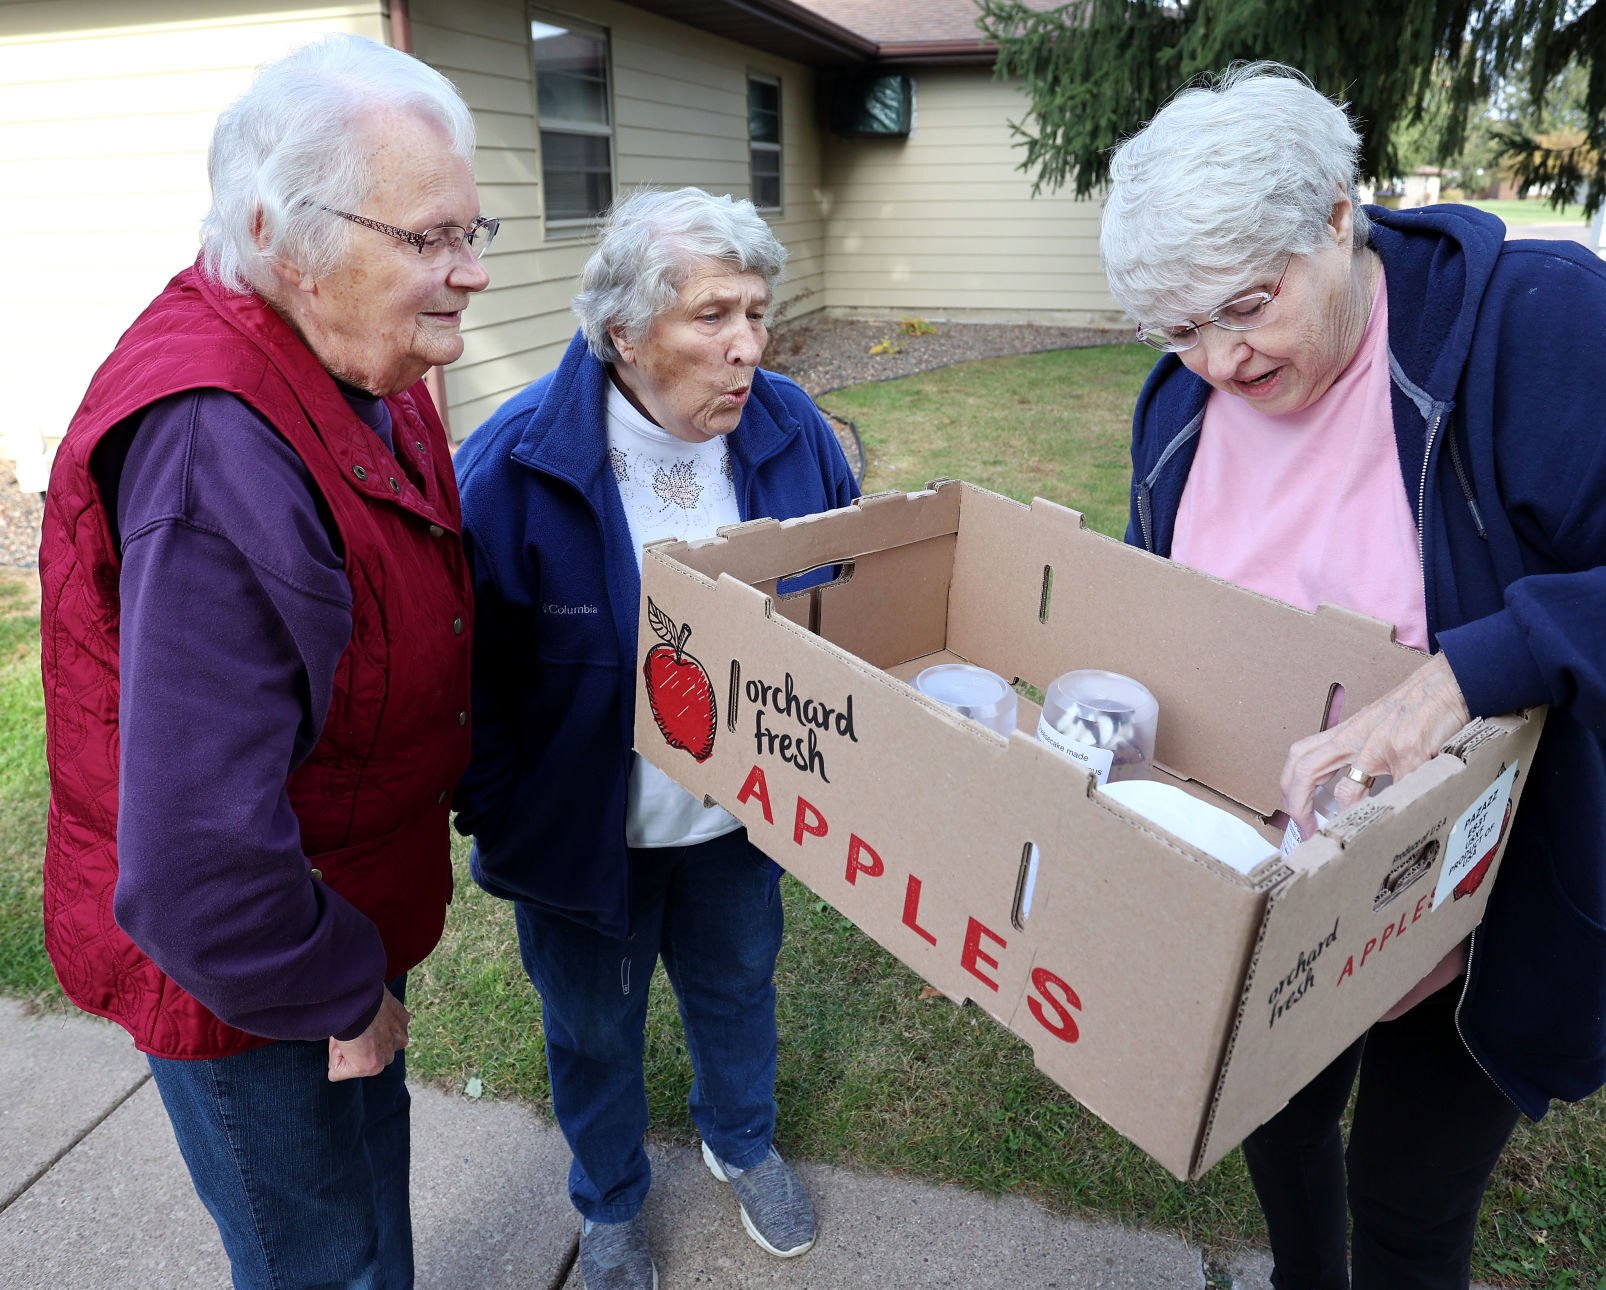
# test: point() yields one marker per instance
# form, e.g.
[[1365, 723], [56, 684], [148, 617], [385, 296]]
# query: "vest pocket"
[[402, 881]]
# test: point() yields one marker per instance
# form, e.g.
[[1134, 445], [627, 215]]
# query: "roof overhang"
[[779, 27], [941, 53]]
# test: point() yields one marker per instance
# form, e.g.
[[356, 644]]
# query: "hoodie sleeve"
[[1546, 645], [1537, 439]]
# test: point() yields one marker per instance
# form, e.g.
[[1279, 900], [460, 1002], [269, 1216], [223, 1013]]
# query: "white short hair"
[[1230, 178], [650, 245], [294, 144]]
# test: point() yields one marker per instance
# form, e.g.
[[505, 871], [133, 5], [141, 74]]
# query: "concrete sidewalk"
[[93, 1195]]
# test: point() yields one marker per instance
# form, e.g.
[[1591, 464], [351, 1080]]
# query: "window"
[[764, 140], [574, 111]]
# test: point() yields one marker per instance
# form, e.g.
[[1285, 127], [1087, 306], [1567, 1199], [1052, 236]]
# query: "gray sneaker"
[[776, 1211], [614, 1256]]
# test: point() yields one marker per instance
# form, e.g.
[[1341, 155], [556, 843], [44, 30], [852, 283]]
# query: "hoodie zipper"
[[1466, 489], [1146, 486], [1466, 984], [1422, 490], [1422, 493]]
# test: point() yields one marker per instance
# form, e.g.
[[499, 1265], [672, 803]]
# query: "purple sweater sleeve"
[[235, 612]]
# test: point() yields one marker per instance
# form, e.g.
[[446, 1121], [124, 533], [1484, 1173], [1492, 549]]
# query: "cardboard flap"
[[770, 549]]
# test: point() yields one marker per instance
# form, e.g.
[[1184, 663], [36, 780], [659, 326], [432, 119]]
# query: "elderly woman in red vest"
[[256, 646]]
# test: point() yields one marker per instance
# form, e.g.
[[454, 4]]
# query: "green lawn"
[[24, 970], [872, 1073], [1050, 425], [1531, 210]]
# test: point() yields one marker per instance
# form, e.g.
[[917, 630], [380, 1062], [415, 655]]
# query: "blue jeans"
[[711, 912], [306, 1180]]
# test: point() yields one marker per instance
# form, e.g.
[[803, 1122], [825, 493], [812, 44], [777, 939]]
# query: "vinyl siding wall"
[[942, 225], [104, 127], [680, 117]]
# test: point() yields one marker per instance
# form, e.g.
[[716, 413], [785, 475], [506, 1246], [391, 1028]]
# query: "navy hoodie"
[[1497, 353], [556, 604]]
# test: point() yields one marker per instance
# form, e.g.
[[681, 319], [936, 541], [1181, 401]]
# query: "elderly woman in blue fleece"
[[657, 422], [1399, 413]]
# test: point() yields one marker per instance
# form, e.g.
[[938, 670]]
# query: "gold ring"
[[1360, 776]]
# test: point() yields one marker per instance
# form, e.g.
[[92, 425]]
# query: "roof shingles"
[[908, 22]]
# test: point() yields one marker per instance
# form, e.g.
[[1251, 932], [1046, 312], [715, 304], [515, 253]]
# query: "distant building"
[[1419, 188]]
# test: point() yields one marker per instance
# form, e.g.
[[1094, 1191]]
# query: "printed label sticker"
[[1096, 759], [1474, 840]]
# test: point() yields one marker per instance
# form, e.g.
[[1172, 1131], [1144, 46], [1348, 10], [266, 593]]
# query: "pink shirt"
[[1309, 507]]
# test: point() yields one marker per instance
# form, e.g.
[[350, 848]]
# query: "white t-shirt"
[[669, 488]]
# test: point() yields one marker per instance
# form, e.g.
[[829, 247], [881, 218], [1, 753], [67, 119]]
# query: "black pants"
[[1428, 1127]]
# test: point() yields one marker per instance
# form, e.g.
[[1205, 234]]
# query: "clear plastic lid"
[[972, 692], [1104, 711]]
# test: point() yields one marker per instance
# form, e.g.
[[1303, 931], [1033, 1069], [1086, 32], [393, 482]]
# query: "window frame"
[[573, 225], [756, 146]]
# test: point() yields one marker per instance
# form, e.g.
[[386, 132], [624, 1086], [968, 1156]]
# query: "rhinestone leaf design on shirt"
[[679, 485]]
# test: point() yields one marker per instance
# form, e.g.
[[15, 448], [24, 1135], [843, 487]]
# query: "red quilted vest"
[[372, 798]]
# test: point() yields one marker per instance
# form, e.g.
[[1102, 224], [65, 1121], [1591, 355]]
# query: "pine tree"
[[1095, 70]]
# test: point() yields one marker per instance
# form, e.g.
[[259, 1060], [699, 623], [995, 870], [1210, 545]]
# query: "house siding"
[[105, 122], [942, 225], [104, 125], [680, 117]]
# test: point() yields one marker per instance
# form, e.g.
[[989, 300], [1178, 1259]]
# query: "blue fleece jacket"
[[1496, 350], [557, 598]]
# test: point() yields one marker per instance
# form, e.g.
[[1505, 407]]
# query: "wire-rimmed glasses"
[[1243, 313], [439, 243]]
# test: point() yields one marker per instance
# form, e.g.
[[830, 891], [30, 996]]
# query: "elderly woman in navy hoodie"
[[1396, 412], [658, 421]]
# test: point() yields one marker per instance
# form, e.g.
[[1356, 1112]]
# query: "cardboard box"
[[1180, 1000]]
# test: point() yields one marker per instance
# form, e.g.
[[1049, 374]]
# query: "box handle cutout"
[[1047, 595], [735, 696], [1333, 713], [1025, 884], [813, 583], [815, 578], [1405, 870]]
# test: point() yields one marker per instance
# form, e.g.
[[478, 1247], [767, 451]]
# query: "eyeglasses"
[[436, 244], [1242, 314]]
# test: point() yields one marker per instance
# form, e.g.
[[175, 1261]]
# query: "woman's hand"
[[374, 1049], [1392, 736]]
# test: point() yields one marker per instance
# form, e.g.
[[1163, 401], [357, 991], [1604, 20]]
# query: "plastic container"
[[1327, 807], [1103, 720], [972, 692]]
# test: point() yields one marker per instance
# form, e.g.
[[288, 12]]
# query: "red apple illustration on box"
[[678, 688], [1473, 878]]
